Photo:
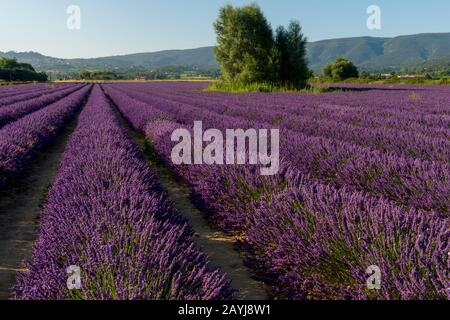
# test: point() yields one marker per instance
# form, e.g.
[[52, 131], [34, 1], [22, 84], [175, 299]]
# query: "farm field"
[[363, 183]]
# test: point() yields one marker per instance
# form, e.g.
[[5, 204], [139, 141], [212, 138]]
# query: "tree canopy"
[[244, 44], [249, 52], [12, 70], [340, 69], [291, 49]]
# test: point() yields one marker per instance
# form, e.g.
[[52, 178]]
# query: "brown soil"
[[218, 246], [20, 207]]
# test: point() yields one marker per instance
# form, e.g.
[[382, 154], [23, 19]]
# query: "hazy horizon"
[[116, 28], [182, 49]]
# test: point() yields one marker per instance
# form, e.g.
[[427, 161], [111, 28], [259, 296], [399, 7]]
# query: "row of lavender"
[[309, 239], [32, 93], [431, 144], [425, 107], [18, 109], [407, 181], [107, 214], [20, 140], [425, 145], [9, 91]]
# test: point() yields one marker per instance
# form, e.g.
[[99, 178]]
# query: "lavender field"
[[363, 182]]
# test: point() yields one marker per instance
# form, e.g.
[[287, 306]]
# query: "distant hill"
[[378, 53], [367, 52], [436, 63], [198, 58], [438, 66]]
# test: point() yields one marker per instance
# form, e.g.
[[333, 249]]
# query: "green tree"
[[340, 69], [365, 74], [291, 48], [12, 70], [96, 75], [245, 45], [13, 64]]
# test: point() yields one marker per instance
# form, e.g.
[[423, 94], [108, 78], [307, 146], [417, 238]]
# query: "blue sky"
[[111, 27]]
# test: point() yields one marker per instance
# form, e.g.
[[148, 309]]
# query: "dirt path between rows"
[[218, 246], [20, 207]]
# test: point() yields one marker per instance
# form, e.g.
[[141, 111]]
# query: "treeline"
[[96, 75], [12, 70], [141, 73]]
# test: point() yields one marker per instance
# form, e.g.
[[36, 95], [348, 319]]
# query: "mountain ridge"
[[366, 52]]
